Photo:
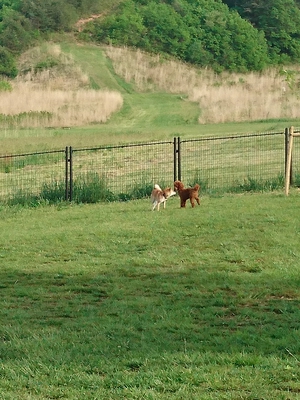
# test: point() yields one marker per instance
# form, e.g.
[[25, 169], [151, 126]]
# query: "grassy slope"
[[144, 116], [155, 114], [113, 301], [141, 111]]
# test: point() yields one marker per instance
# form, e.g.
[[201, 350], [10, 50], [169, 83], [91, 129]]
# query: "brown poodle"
[[187, 193]]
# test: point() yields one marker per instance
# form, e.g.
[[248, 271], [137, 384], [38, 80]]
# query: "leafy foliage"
[[5, 86], [166, 30], [236, 35], [124, 27], [279, 20], [16, 32], [200, 32], [13, 4], [7, 63], [49, 15], [229, 41]]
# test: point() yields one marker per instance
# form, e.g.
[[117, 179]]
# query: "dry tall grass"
[[51, 90], [56, 108], [54, 96], [47, 67], [222, 98]]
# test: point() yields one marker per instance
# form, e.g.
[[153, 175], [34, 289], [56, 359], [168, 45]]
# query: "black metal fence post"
[[66, 174], [179, 158], [286, 147], [71, 172], [175, 159]]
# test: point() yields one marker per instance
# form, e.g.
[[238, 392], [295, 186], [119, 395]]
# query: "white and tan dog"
[[159, 196]]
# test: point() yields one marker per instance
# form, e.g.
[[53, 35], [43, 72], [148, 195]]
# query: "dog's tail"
[[157, 187], [197, 187]]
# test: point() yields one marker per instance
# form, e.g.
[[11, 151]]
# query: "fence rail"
[[217, 163]]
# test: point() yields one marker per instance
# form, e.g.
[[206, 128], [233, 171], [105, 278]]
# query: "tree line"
[[24, 22], [234, 35]]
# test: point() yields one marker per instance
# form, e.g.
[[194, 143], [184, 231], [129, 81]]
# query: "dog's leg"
[[193, 202], [182, 203], [154, 205]]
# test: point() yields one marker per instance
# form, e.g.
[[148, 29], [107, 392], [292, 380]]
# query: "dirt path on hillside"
[[80, 23]]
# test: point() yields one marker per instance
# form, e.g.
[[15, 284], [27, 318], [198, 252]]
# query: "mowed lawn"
[[113, 301]]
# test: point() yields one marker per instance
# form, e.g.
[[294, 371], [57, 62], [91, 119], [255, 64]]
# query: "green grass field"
[[113, 301]]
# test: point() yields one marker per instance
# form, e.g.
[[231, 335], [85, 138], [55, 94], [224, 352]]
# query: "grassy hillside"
[[160, 99]]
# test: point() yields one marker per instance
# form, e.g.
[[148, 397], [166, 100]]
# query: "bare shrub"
[[222, 98], [47, 67]]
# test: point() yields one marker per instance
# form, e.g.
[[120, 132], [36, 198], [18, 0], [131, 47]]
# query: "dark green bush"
[[125, 27], [16, 33], [7, 64], [53, 192], [296, 179], [5, 86], [44, 65], [255, 185], [49, 15], [91, 188], [141, 190], [166, 30]]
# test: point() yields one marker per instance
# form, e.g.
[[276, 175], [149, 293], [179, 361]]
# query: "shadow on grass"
[[139, 314]]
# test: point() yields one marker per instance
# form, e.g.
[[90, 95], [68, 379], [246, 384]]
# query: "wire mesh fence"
[[222, 163], [124, 167], [217, 163], [24, 176]]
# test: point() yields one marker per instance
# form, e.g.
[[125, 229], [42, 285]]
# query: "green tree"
[[240, 48], [7, 64], [279, 20], [86, 7], [125, 27], [222, 39], [15, 31], [166, 30], [13, 4], [49, 15]]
